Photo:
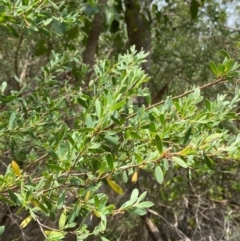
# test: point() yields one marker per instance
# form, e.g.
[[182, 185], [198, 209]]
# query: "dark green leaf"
[[194, 8], [187, 135], [83, 103], [162, 119], [53, 167], [158, 143], [213, 68], [14, 198], [110, 161], [208, 161]]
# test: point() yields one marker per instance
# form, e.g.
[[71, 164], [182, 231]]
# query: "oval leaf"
[[146, 204], [16, 168], [25, 222], [62, 219], [2, 228], [180, 162], [213, 68], [114, 186], [159, 174], [187, 135], [158, 142], [135, 177], [118, 105]]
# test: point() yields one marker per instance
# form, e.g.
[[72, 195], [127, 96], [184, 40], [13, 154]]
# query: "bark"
[[139, 33], [91, 46], [138, 27]]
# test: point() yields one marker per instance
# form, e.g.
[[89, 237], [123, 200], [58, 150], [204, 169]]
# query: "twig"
[[40, 226], [16, 54], [181, 95]]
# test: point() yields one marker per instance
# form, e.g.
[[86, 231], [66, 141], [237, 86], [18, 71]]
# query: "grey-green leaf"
[[180, 162], [159, 174]]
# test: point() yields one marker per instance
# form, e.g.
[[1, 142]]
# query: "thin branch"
[[181, 95], [40, 226], [16, 54]]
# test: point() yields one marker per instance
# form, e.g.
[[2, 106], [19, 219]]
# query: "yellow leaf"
[[25, 222], [87, 196], [114, 186], [50, 232], [135, 177], [97, 214], [16, 168], [62, 219]]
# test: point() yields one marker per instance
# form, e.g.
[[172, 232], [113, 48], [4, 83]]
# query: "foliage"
[[67, 151], [104, 143]]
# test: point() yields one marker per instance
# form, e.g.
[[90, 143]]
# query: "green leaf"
[[61, 200], [110, 161], [208, 105], [89, 122], [187, 135], [14, 198], [208, 161], [138, 157], [118, 105], [194, 8], [55, 167], [138, 211], [152, 127], [134, 195], [214, 68], [159, 174], [98, 108], [87, 129], [11, 120], [158, 143], [180, 162], [104, 239], [96, 201], [2, 228], [142, 196], [225, 54], [102, 168], [111, 140], [135, 135], [125, 176], [74, 213], [146, 204], [213, 137], [162, 119], [165, 164], [82, 102], [8, 201], [62, 219]]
